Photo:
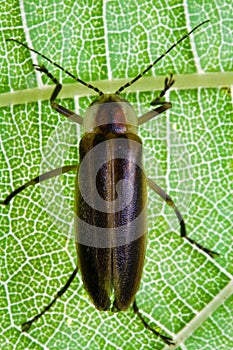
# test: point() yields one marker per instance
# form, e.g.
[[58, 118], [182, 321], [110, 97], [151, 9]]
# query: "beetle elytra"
[[111, 196]]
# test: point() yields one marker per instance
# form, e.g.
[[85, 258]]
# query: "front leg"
[[59, 108], [157, 101]]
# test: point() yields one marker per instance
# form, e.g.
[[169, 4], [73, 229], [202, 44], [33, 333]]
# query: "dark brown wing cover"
[[110, 261]]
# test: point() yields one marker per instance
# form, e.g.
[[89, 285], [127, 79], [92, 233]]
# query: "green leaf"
[[188, 152]]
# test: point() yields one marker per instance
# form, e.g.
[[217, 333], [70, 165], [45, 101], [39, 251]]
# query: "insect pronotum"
[[110, 196]]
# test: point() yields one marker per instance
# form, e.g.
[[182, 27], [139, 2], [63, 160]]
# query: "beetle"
[[110, 195]]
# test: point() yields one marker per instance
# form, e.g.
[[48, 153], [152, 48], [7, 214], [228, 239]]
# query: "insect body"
[[111, 229], [111, 198]]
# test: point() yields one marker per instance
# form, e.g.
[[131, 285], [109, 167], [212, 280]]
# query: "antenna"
[[122, 87], [158, 59], [58, 66]]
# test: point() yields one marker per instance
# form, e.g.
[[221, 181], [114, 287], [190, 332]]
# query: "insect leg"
[[167, 340], [50, 174], [170, 202], [26, 325], [59, 108], [163, 104]]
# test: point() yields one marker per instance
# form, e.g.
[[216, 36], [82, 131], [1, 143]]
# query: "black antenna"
[[58, 66], [158, 59]]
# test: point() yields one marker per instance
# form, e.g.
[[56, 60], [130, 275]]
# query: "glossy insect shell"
[[110, 204]]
